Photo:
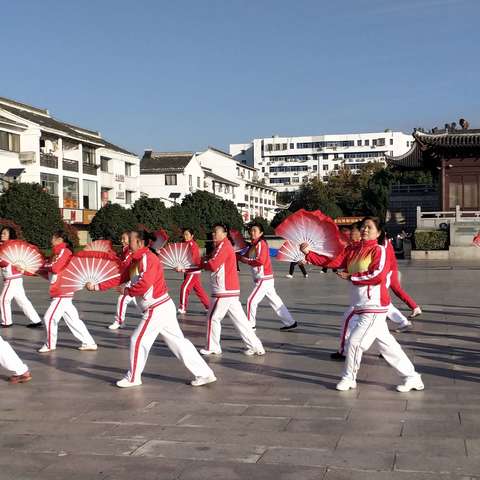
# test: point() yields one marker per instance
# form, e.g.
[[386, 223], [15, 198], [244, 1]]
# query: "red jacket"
[[145, 274], [57, 262], [258, 258], [196, 257], [369, 266], [223, 265]]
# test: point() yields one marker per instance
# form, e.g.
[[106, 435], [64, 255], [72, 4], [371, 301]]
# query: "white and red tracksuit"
[[225, 288], [10, 360], [13, 290], [61, 304], [258, 258], [148, 287], [369, 267], [124, 300], [395, 280], [192, 280]]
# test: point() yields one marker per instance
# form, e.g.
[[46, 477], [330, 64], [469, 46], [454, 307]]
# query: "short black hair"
[[224, 226], [256, 224], [188, 229]]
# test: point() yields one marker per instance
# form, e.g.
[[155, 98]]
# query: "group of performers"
[[367, 262]]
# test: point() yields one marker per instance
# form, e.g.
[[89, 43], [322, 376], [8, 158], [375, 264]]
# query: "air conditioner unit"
[[27, 157]]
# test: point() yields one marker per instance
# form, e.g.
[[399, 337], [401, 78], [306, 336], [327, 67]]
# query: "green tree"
[[314, 195], [279, 218], [31, 207], [152, 213], [201, 210], [111, 221], [376, 195]]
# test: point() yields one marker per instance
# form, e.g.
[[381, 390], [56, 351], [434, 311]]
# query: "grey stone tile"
[[292, 411], [469, 466], [238, 422]]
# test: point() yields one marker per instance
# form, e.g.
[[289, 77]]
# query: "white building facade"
[[286, 162], [170, 176], [75, 165]]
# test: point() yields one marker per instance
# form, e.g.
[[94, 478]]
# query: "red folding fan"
[[19, 252], [177, 255], [318, 230], [99, 246], [476, 240], [83, 269], [290, 252]]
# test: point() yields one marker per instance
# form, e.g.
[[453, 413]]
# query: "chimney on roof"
[[148, 152]]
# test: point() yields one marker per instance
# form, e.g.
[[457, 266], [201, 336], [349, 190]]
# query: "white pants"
[[219, 307], [162, 320], [372, 327], [122, 304], [266, 288], [350, 319], [63, 307], [13, 290], [10, 360]]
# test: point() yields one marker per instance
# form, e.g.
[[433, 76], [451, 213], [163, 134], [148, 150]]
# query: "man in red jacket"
[[225, 288]]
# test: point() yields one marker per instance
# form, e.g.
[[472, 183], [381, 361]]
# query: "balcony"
[[48, 160], [131, 183], [89, 168], [70, 165], [106, 179]]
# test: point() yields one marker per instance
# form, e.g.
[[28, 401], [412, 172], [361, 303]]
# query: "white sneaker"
[[45, 349], [416, 312], [181, 311], [346, 384], [114, 326], [305, 276], [206, 352], [411, 383], [404, 327], [250, 352], [126, 383], [199, 381], [84, 347], [288, 276]]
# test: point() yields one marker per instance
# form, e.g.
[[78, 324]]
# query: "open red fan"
[[83, 269], [314, 228], [476, 240], [290, 252], [239, 242], [19, 252], [99, 246], [177, 255], [161, 238]]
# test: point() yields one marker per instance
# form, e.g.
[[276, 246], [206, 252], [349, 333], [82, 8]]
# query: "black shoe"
[[290, 327], [6, 326], [35, 325], [339, 357]]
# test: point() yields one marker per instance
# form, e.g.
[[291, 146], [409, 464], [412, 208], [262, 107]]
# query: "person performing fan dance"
[[61, 305], [225, 288], [159, 316], [367, 269], [257, 256], [17, 257], [123, 300], [192, 279]]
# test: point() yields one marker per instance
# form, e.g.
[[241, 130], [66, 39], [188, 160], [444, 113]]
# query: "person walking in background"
[[301, 266]]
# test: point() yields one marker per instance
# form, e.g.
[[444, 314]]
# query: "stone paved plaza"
[[276, 417]]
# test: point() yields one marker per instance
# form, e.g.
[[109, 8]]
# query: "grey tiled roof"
[[218, 178], [164, 162]]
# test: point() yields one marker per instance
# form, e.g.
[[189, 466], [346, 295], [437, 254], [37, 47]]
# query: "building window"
[[9, 141], [50, 183], [336, 166], [359, 143], [292, 146], [391, 141], [105, 196], [198, 182], [381, 142], [171, 179], [104, 164], [269, 147], [70, 192], [315, 168], [335, 155], [128, 197], [367, 143], [325, 167], [227, 189], [277, 147], [284, 146], [90, 194], [88, 154], [246, 198], [190, 181], [128, 169]]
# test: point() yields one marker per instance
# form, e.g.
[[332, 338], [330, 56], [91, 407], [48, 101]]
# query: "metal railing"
[[48, 160], [70, 165], [89, 168], [413, 188]]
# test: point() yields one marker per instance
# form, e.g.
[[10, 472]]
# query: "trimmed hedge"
[[431, 240]]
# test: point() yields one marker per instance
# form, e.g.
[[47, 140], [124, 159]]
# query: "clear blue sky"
[[174, 75]]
